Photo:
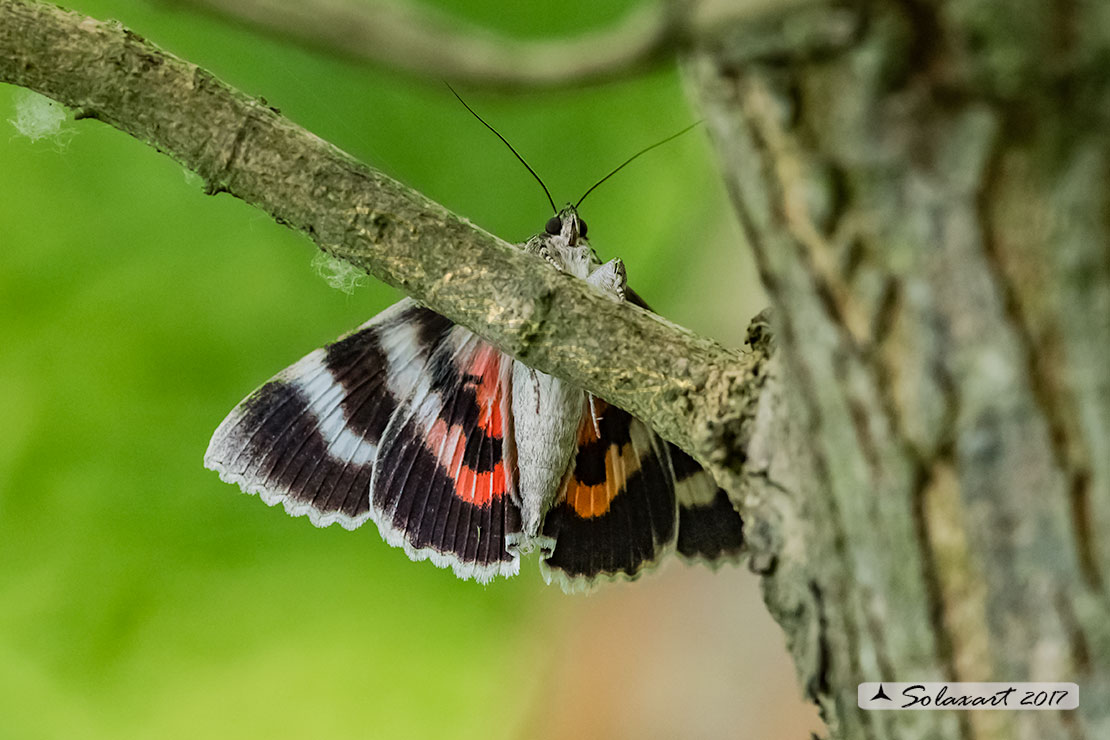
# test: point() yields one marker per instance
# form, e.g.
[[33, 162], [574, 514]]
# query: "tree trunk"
[[929, 208]]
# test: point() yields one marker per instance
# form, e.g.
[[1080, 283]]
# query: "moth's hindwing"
[[615, 512], [709, 527], [308, 438], [443, 487]]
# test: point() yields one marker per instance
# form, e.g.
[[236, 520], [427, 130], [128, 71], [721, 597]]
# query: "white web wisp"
[[337, 273], [38, 117]]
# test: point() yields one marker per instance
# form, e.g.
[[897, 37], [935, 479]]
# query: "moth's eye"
[[581, 228], [553, 226]]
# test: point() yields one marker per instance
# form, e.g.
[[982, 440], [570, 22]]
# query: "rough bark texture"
[[930, 473], [924, 463]]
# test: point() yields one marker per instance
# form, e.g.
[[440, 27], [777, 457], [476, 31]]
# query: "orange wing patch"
[[592, 501], [616, 510], [613, 463]]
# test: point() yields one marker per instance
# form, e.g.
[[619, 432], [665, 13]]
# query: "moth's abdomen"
[[546, 412]]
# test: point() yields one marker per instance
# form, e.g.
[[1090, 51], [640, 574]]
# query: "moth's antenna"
[[506, 143], [645, 150]]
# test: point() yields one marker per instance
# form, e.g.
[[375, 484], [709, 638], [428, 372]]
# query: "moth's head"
[[567, 225], [563, 243]]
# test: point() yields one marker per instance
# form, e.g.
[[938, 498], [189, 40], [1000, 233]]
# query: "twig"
[[693, 391], [416, 39]]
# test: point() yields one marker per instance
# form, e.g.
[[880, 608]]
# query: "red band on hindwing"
[[487, 366], [473, 487], [467, 441]]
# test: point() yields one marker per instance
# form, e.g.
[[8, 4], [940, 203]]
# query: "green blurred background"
[[140, 597]]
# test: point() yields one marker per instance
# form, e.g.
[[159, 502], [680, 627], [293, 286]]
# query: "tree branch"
[[693, 391], [415, 39]]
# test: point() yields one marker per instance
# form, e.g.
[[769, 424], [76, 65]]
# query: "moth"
[[468, 458]]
